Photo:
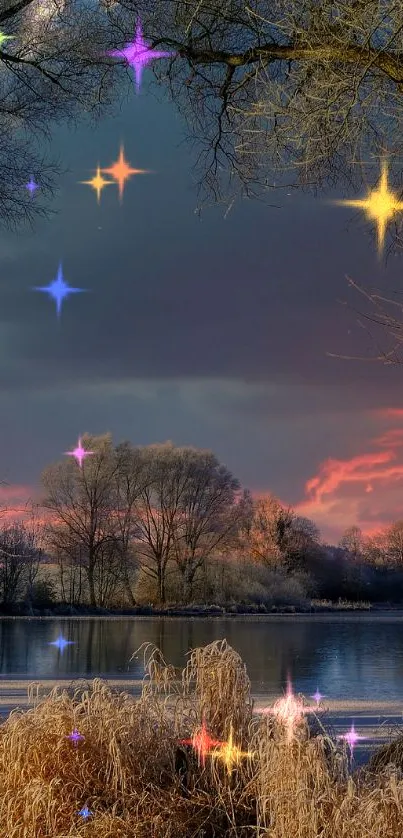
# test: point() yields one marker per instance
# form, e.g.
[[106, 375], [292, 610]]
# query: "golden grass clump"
[[124, 770]]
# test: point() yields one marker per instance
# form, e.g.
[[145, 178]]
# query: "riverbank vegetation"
[[92, 761], [165, 527]]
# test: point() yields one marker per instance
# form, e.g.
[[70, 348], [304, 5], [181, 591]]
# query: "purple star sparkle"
[[317, 696], [138, 53], [75, 737], [79, 453], [32, 186], [61, 642], [59, 289]]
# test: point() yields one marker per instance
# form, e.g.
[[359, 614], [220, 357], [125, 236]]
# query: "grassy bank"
[[175, 610], [129, 776]]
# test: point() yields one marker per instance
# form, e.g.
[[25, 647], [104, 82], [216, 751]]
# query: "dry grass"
[[124, 769]]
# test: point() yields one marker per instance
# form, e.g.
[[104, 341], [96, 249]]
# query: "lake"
[[354, 659]]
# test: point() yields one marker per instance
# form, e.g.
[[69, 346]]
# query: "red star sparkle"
[[202, 742]]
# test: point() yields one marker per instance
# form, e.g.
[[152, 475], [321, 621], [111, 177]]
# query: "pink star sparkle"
[[317, 696], [79, 453], [289, 710], [138, 54], [351, 737]]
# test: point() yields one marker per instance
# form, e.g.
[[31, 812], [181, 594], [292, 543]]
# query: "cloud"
[[363, 490]]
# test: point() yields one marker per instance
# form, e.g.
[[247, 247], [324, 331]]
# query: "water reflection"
[[359, 658]]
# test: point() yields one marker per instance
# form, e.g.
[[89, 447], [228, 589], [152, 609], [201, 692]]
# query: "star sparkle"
[[4, 38], [351, 737], [75, 737], [85, 812], [121, 171], [201, 742], [380, 206], [61, 643], [230, 754], [32, 186], [290, 710], [58, 289], [138, 54], [79, 453], [97, 183]]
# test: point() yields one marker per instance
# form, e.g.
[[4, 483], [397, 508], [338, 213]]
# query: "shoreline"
[[192, 611]]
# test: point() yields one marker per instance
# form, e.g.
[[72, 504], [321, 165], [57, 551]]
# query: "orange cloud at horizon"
[[365, 490]]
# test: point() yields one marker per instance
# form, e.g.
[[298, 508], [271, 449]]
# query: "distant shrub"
[[43, 593]]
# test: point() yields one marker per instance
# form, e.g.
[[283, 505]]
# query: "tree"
[[209, 513], [302, 547], [267, 535], [20, 556], [281, 89], [273, 91], [130, 479], [393, 545], [53, 70], [352, 540], [159, 507], [80, 502], [277, 537], [385, 314]]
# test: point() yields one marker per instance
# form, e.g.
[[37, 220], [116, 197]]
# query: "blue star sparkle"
[[85, 813], [59, 289], [32, 186], [61, 642]]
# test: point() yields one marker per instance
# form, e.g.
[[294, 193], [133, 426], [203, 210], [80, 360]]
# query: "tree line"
[[162, 523]]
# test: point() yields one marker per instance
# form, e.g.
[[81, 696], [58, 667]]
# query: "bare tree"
[[393, 545], [352, 540], [131, 477], [278, 538], [53, 69], [382, 322], [20, 556], [281, 93], [80, 500], [67, 552], [210, 510], [158, 509], [266, 536], [288, 89]]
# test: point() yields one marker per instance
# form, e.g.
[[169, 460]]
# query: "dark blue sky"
[[210, 332]]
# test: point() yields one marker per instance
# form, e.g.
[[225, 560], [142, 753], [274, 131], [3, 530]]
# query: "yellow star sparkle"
[[380, 205], [97, 183], [121, 171], [230, 753], [4, 38]]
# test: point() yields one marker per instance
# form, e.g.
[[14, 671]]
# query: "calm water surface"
[[347, 656]]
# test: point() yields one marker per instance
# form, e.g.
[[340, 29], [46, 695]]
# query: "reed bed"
[[138, 781]]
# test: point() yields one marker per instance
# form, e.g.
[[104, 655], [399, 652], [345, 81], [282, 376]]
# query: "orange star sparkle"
[[121, 171], [97, 183], [380, 205], [230, 754]]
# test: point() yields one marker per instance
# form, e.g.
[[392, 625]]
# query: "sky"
[[209, 331]]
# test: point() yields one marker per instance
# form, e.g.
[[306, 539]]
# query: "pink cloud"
[[364, 490]]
